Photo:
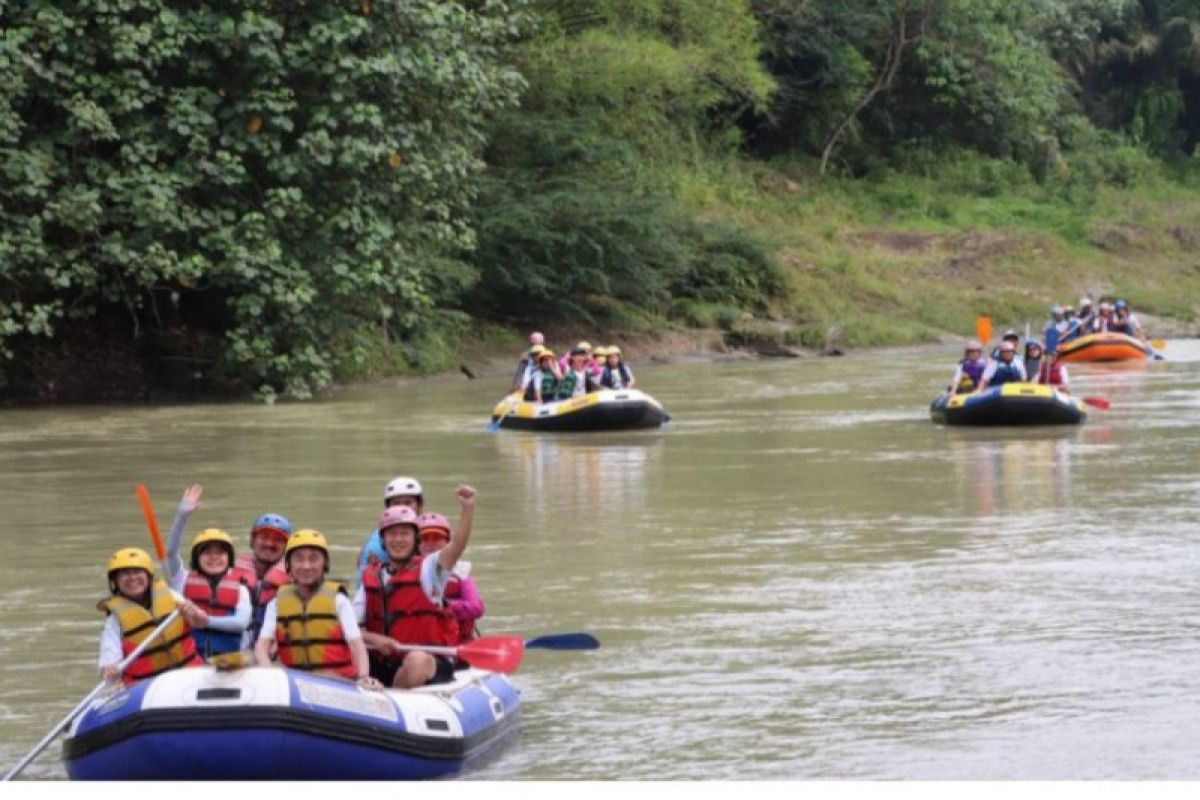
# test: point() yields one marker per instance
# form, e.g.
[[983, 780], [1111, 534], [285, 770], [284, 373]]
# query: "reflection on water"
[[571, 476], [801, 570], [1012, 471]]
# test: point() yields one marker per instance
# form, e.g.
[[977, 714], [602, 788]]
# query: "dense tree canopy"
[[303, 181]]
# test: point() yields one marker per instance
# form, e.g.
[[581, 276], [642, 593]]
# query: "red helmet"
[[397, 515], [432, 522]]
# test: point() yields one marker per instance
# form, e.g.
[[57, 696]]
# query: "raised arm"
[[187, 506], [448, 556]]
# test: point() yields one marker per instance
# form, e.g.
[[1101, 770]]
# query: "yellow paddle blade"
[[1158, 344]]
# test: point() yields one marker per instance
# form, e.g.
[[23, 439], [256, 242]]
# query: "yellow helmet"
[[583, 346], [546, 353], [537, 349], [600, 351], [307, 538], [130, 558], [614, 350], [211, 535]]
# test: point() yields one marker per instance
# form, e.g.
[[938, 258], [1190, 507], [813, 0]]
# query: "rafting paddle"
[[1098, 402], [494, 425], [148, 511], [563, 641], [983, 329], [83, 704], [492, 653]]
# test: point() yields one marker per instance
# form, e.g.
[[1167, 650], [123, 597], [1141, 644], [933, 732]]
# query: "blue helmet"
[[1121, 304], [1056, 311], [272, 522]]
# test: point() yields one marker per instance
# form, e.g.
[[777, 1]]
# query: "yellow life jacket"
[[174, 646], [308, 635]]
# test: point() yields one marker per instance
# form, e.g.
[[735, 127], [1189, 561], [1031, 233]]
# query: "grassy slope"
[[904, 259]]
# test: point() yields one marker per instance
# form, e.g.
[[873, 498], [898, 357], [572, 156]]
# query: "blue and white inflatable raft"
[[265, 723]]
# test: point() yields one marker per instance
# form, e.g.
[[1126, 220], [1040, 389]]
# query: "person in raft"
[[1010, 335], [402, 602], [1005, 370], [969, 371], [528, 363], [1052, 372], [1034, 355], [614, 374], [543, 382], [400, 491], [566, 363], [311, 620], [218, 589], [1126, 322], [462, 595], [1054, 329], [577, 380], [262, 568], [137, 605]]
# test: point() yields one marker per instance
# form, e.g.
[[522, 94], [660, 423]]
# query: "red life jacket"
[[264, 589], [1051, 373], [401, 610], [218, 601], [466, 627]]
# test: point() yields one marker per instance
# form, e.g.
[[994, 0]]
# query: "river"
[[800, 577]]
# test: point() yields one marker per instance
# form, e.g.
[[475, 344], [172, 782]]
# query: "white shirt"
[[990, 371], [433, 582], [110, 637], [345, 615]]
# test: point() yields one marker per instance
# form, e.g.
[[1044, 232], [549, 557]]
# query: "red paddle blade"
[[148, 511], [494, 653], [1098, 402]]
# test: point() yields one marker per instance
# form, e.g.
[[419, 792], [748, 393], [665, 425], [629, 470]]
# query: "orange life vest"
[[309, 635], [172, 649]]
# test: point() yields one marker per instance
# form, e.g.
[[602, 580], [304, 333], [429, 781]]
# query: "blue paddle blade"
[[563, 641]]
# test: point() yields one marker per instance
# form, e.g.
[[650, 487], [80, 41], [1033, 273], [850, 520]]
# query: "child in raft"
[[462, 596], [543, 383], [219, 589], [137, 605], [614, 374], [402, 602], [311, 620]]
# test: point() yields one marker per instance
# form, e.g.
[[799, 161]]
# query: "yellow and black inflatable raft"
[[1010, 404], [605, 410]]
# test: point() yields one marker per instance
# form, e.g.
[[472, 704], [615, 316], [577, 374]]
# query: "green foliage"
[[567, 227], [292, 172]]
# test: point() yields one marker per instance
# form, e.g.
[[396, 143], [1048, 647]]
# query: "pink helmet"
[[397, 515], [537, 338], [429, 522], [974, 345]]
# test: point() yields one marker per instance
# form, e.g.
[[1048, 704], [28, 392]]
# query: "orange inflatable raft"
[[1104, 347]]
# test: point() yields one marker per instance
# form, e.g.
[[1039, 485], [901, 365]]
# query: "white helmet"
[[402, 486], [1084, 302]]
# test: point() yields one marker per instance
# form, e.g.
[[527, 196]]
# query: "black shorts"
[[385, 671]]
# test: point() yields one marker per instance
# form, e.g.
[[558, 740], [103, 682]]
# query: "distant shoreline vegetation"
[[231, 201]]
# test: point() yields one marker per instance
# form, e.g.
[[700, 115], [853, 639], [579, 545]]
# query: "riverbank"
[[895, 261]]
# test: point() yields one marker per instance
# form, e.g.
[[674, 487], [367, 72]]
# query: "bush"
[[289, 173]]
